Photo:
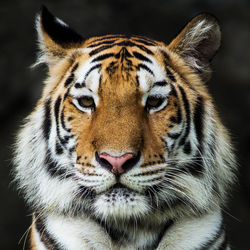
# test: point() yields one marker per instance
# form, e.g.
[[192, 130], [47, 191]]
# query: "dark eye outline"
[[160, 100], [79, 101]]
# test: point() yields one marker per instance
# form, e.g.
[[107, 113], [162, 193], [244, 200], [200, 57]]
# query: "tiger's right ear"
[[56, 39]]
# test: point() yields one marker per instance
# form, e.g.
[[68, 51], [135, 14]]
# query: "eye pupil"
[[153, 102], [86, 102]]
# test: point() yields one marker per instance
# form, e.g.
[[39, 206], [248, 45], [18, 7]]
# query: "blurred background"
[[20, 87]]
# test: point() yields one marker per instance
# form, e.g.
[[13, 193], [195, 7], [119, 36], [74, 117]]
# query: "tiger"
[[125, 148]]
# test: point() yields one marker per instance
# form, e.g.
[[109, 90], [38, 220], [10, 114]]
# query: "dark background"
[[20, 87]]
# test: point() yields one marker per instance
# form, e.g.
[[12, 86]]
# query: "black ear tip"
[[43, 9], [45, 13]]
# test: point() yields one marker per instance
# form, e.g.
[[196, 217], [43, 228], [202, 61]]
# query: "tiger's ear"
[[198, 42], [55, 38]]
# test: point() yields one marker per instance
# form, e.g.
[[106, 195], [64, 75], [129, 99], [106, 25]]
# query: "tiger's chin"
[[121, 204]]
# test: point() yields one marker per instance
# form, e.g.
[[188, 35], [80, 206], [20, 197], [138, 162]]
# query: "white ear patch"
[[58, 20]]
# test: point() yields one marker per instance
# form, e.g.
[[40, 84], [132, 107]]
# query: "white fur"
[[191, 233], [81, 233]]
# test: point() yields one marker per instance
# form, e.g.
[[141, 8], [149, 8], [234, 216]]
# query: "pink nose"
[[117, 162]]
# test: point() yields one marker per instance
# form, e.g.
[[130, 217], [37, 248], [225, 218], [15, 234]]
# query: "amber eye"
[[86, 102], [153, 102]]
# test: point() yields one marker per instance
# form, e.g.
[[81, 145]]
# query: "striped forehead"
[[148, 68]]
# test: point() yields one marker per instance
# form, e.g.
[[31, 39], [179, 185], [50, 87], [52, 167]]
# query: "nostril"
[[118, 164], [130, 163], [103, 162]]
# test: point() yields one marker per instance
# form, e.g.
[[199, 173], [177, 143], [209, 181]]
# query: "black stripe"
[[198, 125], [177, 119], [173, 119], [72, 149], [101, 43], [102, 57], [166, 57], [59, 149], [148, 51], [72, 76], [69, 80], [91, 69], [187, 148], [57, 109], [188, 118], [170, 75], [141, 57], [51, 166], [108, 37], [126, 43], [48, 240], [179, 116], [74, 68], [143, 66], [63, 122], [47, 119], [161, 84], [66, 94], [54, 169], [67, 137], [57, 117], [198, 119], [174, 135], [173, 91], [95, 51], [144, 42], [144, 39]]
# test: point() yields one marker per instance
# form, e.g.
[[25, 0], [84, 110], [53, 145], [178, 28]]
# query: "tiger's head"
[[125, 127]]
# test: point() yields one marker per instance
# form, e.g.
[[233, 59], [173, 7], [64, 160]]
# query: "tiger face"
[[125, 127], [121, 112]]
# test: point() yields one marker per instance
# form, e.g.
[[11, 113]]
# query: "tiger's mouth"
[[118, 185], [119, 188]]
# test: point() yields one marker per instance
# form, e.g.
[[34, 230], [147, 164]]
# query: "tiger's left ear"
[[56, 39], [198, 42]]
